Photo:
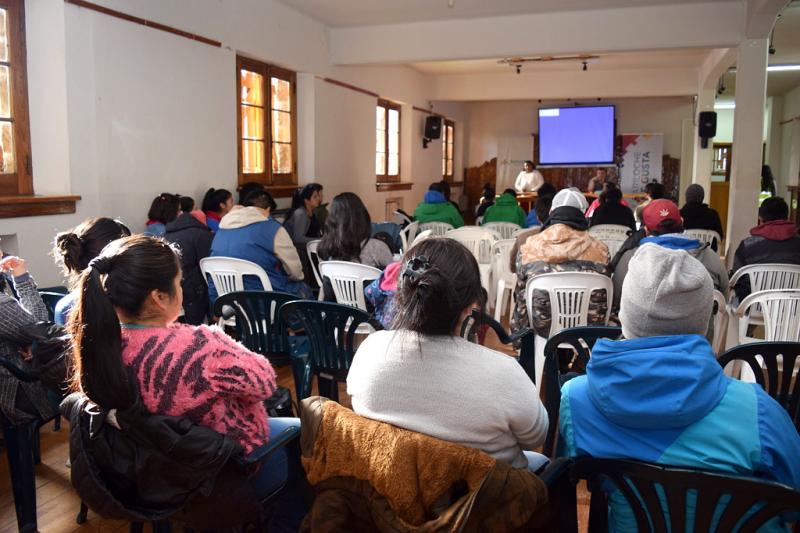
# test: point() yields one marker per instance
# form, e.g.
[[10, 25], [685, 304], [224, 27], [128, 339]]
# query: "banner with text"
[[641, 161]]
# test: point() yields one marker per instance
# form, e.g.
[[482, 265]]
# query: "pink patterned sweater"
[[201, 373]]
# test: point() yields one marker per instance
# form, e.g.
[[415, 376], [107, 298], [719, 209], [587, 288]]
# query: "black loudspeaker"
[[707, 127], [433, 127]]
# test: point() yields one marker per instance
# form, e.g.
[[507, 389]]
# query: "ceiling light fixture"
[[725, 105], [782, 68], [517, 61]]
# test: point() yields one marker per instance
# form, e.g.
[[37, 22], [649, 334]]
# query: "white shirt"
[[450, 389], [529, 181]]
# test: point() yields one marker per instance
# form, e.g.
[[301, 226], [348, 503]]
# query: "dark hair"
[[301, 194], [133, 267], [774, 208], [259, 198], [542, 208], [186, 204], [547, 189], [347, 227], [611, 194], [510, 191], [246, 188], [73, 249], [767, 180], [655, 190], [164, 208], [439, 278], [488, 192], [436, 186], [445, 189], [666, 227], [529, 162], [213, 198]]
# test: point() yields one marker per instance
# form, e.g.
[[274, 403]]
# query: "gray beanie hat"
[[695, 193], [665, 292]]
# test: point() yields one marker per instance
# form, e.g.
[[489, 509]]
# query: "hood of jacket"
[[241, 216], [676, 241], [506, 200], [655, 382], [434, 197], [560, 243], [185, 221], [775, 230]]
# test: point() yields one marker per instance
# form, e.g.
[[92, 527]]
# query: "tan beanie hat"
[[665, 292]]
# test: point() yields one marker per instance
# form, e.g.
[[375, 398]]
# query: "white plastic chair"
[[706, 236], [780, 311], [348, 280], [570, 295], [438, 229], [502, 278], [612, 235], [505, 229], [422, 235], [313, 258], [227, 273], [408, 234], [720, 323], [479, 241]]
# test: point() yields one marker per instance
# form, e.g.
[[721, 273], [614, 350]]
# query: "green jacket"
[[505, 209], [438, 212]]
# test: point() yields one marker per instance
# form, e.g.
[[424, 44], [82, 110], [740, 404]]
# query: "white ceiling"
[[350, 13]]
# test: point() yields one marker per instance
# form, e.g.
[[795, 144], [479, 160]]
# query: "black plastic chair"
[[50, 300], [331, 330], [781, 389], [525, 337], [640, 484], [581, 340]]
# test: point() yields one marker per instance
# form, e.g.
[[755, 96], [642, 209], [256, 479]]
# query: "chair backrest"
[[258, 327], [720, 322], [437, 228], [706, 236], [659, 496], [331, 330], [501, 269], [408, 234], [313, 258], [50, 300], [775, 366], [612, 235], [227, 273], [477, 240], [768, 276], [505, 229], [781, 313], [581, 340], [348, 280], [570, 295], [426, 234]]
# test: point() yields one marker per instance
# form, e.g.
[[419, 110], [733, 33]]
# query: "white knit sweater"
[[450, 389]]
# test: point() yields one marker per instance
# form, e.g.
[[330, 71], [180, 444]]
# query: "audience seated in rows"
[[597, 181], [664, 227], [486, 201], [249, 232], [304, 224], [446, 190], [774, 240], [505, 209], [193, 240], [563, 245], [596, 202], [208, 378], [380, 294], [187, 205], [425, 378], [74, 249], [697, 215], [660, 396], [163, 210], [652, 191], [533, 219], [436, 208], [541, 210], [611, 210], [216, 204]]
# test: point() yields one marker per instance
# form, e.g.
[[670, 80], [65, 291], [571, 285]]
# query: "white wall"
[[790, 143]]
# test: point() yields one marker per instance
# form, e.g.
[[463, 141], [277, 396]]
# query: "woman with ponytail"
[[216, 204], [127, 345], [424, 377], [76, 247]]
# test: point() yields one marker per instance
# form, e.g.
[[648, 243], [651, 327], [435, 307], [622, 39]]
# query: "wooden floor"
[[57, 503]]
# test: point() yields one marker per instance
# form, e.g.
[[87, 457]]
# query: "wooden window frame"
[[445, 140], [386, 178], [283, 183], [19, 183]]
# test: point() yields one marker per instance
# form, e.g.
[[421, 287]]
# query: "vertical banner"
[[641, 161], [512, 152]]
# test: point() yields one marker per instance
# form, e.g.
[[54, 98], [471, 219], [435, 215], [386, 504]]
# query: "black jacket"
[[613, 213], [155, 467], [697, 215], [771, 242], [194, 240]]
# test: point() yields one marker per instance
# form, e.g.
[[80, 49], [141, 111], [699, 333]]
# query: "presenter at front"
[[530, 179]]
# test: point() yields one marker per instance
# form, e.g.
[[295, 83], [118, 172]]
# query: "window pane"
[[450, 134], [7, 158], [394, 143], [444, 167], [281, 158], [380, 115], [380, 141], [252, 88], [444, 149], [380, 163], [449, 168], [281, 126], [394, 165], [252, 122], [449, 151], [5, 93], [281, 94], [3, 35], [394, 121], [252, 157]]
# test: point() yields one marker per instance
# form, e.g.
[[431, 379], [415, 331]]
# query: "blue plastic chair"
[[331, 330]]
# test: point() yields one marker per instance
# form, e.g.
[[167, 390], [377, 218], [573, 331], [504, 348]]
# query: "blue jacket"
[[532, 220], [666, 400]]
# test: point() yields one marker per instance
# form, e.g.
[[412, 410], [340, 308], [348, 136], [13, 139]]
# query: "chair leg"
[[82, 514], [35, 444], [23, 480], [499, 300], [57, 423]]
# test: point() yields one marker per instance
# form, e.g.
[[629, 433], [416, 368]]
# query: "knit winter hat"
[[695, 193], [570, 197], [665, 292]]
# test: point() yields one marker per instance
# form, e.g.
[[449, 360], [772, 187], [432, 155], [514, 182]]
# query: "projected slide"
[[576, 135]]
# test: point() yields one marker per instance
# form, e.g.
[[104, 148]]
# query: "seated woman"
[[123, 327], [20, 402], [506, 209], [163, 210], [75, 248], [303, 224], [216, 204], [425, 378], [611, 210]]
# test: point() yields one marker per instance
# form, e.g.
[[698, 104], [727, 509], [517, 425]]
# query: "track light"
[[585, 66]]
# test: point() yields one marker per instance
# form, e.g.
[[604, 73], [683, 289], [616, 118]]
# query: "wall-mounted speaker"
[[706, 127], [433, 127]]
